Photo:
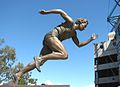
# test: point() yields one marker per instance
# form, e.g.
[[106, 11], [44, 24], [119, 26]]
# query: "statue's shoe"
[[37, 64]]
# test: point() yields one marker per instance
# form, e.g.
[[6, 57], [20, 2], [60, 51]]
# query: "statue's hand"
[[42, 12], [94, 36]]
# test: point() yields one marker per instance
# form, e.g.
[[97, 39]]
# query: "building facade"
[[107, 60]]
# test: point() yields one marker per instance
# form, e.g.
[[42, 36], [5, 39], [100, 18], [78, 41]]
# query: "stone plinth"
[[35, 86]]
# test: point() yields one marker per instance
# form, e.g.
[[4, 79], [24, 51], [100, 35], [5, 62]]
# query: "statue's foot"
[[18, 76], [37, 64]]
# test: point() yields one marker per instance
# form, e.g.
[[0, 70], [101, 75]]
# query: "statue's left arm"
[[64, 15]]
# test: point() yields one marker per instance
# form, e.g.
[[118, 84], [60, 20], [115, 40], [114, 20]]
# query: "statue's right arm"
[[80, 44], [57, 11]]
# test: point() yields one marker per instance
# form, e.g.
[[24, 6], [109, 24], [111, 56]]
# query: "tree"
[[7, 67], [7, 59]]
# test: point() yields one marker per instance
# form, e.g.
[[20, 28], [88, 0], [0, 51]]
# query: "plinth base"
[[35, 86]]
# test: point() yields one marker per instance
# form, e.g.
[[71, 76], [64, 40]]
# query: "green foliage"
[[8, 67], [7, 59]]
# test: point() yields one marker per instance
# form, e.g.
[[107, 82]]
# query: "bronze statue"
[[53, 49]]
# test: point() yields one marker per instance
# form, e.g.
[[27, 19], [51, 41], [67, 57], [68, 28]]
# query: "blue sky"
[[23, 28]]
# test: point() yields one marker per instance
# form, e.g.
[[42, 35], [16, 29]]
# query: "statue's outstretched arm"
[[80, 44], [57, 11]]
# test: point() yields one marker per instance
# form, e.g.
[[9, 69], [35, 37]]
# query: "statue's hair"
[[81, 20]]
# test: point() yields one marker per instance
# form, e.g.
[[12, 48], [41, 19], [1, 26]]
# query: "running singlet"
[[61, 32]]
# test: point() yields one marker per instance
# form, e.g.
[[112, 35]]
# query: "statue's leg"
[[58, 50], [26, 69], [38, 61], [54, 50], [45, 50]]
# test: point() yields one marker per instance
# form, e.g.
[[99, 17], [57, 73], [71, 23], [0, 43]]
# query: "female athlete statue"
[[53, 49]]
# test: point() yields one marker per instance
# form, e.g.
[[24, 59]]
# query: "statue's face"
[[82, 23], [82, 26], [81, 20], [81, 29]]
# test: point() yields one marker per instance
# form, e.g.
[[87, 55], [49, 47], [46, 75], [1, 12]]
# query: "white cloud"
[[91, 85], [30, 84], [48, 82], [1, 83]]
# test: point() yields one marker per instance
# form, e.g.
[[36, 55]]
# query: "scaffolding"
[[107, 55], [107, 60]]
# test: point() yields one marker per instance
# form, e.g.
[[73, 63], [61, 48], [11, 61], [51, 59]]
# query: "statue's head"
[[82, 23]]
